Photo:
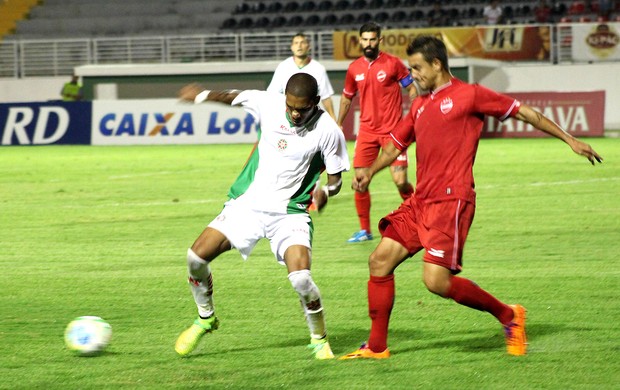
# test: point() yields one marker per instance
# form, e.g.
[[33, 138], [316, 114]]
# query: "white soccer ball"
[[88, 335]]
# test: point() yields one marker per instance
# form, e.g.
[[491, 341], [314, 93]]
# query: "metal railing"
[[58, 57]]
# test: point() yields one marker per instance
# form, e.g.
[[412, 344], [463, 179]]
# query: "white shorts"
[[244, 227]]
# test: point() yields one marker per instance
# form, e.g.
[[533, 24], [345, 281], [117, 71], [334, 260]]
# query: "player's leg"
[[297, 260], [444, 242], [381, 294], [366, 152], [207, 247]]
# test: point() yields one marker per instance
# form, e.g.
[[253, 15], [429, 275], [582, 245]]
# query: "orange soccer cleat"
[[364, 352], [516, 342]]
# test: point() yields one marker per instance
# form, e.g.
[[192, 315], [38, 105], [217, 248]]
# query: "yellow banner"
[[508, 43]]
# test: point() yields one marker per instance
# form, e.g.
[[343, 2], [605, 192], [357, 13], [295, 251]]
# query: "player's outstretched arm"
[[195, 93], [542, 123]]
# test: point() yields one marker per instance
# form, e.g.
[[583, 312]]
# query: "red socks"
[[362, 204], [469, 294], [380, 303]]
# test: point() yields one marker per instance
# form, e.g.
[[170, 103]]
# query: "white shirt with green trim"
[[288, 67], [281, 172]]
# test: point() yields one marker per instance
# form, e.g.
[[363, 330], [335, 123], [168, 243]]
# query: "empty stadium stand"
[[115, 18]]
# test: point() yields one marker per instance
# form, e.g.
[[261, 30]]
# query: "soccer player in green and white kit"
[[270, 197]]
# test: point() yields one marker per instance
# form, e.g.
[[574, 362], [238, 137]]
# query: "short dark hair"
[[430, 47], [299, 34], [371, 27], [302, 85]]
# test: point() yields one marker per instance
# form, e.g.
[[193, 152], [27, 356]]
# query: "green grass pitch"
[[104, 231]]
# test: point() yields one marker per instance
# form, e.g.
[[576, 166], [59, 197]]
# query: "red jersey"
[[446, 126], [379, 85]]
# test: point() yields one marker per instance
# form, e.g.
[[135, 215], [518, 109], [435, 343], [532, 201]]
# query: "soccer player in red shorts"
[[378, 77], [445, 125]]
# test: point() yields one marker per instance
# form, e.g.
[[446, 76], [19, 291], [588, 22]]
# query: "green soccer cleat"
[[321, 349], [188, 340]]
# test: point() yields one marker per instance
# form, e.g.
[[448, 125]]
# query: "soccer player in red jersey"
[[446, 126], [378, 78]]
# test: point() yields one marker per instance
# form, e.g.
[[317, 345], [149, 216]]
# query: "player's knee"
[[303, 284], [436, 285], [195, 264]]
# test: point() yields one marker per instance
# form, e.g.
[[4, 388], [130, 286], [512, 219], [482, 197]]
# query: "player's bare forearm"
[[329, 107], [546, 125], [389, 153], [197, 94], [345, 105]]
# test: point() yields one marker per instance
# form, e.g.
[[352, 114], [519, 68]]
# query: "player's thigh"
[[291, 230], [367, 147], [446, 226], [210, 244], [388, 255], [240, 225]]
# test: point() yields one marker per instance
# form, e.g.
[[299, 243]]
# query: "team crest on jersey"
[[282, 144], [446, 105], [381, 76]]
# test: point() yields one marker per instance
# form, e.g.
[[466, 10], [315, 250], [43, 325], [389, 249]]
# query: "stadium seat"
[[342, 5], [312, 20], [229, 23], [359, 4], [330, 20], [398, 16], [410, 3], [364, 17], [278, 21], [392, 4], [325, 5], [382, 17], [242, 8], [262, 22], [295, 21], [307, 6], [346, 19], [290, 7], [274, 7], [376, 4], [246, 22]]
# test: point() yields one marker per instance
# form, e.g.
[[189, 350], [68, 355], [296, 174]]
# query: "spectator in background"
[[542, 12], [301, 61], [72, 90], [493, 13], [604, 8]]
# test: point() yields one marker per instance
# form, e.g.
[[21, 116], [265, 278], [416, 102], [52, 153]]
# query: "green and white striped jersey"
[[282, 170]]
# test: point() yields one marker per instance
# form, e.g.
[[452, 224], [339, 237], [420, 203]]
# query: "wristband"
[[202, 96], [325, 189]]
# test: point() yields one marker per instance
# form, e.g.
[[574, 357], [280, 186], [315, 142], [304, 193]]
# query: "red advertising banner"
[[581, 114]]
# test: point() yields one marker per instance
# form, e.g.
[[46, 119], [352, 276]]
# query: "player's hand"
[[361, 180], [585, 150], [188, 93], [319, 198]]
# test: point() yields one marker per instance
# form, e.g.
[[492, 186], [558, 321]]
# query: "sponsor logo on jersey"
[[419, 112], [359, 77], [381, 75], [282, 144], [436, 252], [446, 105]]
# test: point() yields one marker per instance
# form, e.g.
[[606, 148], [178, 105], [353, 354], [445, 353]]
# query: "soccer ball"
[[88, 335]]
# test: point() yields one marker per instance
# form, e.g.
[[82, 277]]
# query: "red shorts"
[[367, 146], [439, 227]]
